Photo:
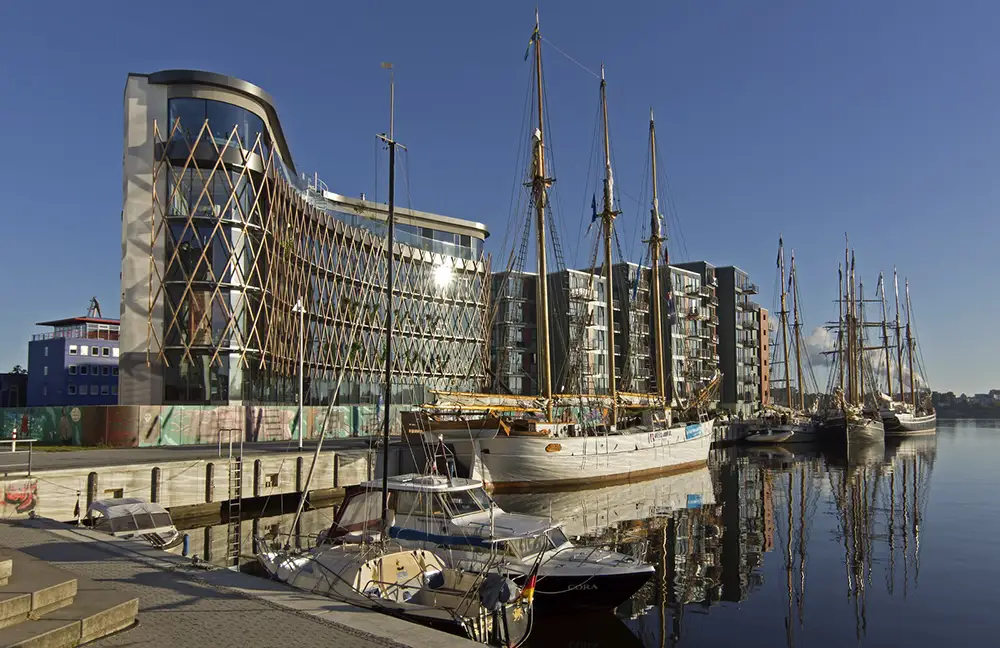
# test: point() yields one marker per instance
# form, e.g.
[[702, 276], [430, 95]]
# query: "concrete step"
[[96, 614], [43, 606], [34, 588], [6, 569]]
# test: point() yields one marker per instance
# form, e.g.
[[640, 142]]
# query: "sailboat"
[[411, 583], [850, 413], [517, 441], [904, 417]]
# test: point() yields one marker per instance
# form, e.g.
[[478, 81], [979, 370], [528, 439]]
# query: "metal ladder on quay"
[[234, 539]]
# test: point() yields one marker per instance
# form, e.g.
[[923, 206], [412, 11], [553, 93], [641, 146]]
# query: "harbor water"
[[803, 546]]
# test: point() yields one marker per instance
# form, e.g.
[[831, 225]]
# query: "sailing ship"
[[904, 417], [790, 422], [414, 584], [518, 442], [854, 411]]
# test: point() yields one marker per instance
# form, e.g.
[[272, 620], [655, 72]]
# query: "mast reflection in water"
[[739, 546]]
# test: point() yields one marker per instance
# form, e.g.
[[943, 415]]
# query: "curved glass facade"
[[244, 238]]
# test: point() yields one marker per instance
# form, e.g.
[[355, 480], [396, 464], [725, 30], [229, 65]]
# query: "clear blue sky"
[[879, 118]]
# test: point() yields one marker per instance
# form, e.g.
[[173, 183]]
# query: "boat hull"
[[519, 462], [604, 592], [904, 424], [866, 431]]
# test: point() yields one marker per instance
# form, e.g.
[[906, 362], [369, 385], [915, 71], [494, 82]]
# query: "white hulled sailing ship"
[[517, 441], [902, 416]]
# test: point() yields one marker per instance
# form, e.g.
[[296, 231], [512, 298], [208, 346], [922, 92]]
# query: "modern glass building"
[[222, 237]]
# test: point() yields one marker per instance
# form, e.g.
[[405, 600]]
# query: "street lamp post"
[[301, 310]]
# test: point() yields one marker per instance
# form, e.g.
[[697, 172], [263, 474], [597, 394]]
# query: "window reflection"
[[223, 120]]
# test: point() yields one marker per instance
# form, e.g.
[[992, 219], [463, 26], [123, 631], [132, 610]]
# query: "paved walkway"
[[84, 458], [183, 606]]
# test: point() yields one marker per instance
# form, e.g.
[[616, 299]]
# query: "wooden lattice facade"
[[237, 239]]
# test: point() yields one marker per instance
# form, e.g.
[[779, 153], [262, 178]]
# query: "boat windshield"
[[557, 537], [139, 521], [466, 501], [525, 547]]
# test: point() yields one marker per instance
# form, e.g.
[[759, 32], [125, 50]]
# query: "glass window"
[[72, 349], [463, 502], [45, 390], [114, 371], [105, 371], [71, 390], [114, 390], [83, 350], [191, 113], [105, 390], [45, 370], [84, 370], [93, 390], [114, 352], [72, 370], [46, 352], [95, 350], [105, 351]]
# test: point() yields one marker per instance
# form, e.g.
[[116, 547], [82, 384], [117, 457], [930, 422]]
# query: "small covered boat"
[[130, 517]]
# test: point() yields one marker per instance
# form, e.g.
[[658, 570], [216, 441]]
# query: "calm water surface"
[[888, 547]]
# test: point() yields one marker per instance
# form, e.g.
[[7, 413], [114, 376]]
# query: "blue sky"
[[878, 118]]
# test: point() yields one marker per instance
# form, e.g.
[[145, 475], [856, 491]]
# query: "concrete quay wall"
[[65, 494]]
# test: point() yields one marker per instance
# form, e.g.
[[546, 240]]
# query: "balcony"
[[583, 294], [748, 288], [616, 305]]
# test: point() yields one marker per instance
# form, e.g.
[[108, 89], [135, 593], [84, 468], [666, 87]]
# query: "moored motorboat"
[[133, 517], [457, 517]]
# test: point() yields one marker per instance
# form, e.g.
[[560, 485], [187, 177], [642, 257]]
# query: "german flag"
[[528, 593]]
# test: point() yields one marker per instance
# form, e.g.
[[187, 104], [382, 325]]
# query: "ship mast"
[[852, 336], [840, 322], [861, 344], [909, 348], [655, 246], [784, 318], [539, 186], [885, 337], [608, 219], [793, 282], [899, 338]]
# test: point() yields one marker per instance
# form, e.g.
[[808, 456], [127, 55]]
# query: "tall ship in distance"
[[905, 414], [597, 432]]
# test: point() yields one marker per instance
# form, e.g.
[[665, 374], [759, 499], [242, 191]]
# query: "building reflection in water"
[[709, 533]]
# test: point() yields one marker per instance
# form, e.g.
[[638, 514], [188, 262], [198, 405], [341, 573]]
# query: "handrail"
[[13, 450]]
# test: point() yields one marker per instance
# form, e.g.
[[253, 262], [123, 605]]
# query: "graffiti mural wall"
[[140, 426], [20, 498]]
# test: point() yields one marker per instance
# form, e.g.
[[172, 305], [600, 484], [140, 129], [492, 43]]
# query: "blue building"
[[74, 364]]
